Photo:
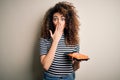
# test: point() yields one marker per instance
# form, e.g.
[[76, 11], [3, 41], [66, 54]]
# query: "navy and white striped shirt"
[[62, 64]]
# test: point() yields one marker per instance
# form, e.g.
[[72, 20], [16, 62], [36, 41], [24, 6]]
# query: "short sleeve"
[[77, 48], [43, 46]]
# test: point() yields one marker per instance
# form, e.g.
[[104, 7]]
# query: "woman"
[[59, 37]]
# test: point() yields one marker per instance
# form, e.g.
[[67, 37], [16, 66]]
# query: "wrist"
[[55, 40]]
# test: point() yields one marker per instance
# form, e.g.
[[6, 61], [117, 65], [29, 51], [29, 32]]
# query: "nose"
[[59, 21]]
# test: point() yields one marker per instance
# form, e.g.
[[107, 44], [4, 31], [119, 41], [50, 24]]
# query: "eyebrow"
[[56, 16]]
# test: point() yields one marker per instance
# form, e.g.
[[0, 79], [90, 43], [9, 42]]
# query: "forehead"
[[57, 14]]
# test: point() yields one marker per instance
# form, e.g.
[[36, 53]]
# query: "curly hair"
[[71, 26]]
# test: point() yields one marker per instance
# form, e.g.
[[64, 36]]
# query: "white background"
[[99, 33]]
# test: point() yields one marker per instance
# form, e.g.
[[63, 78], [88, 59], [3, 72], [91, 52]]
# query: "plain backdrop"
[[99, 38]]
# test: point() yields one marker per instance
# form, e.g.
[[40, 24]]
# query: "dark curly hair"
[[71, 25]]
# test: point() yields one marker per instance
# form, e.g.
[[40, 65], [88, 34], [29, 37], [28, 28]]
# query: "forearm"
[[48, 59]]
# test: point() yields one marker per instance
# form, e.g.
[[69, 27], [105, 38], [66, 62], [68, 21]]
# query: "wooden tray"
[[79, 56]]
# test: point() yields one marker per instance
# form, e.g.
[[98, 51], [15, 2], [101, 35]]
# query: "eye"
[[63, 18], [54, 19]]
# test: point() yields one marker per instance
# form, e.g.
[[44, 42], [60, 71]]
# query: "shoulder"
[[43, 40]]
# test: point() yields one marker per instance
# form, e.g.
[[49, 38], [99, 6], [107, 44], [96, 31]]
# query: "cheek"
[[63, 23], [55, 22]]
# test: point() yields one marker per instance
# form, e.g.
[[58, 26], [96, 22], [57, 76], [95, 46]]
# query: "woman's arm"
[[47, 60]]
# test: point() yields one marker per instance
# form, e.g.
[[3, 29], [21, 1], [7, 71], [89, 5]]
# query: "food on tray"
[[79, 56]]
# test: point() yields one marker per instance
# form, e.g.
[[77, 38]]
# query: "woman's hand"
[[76, 65], [58, 32]]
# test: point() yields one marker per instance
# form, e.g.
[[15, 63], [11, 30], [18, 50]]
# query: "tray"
[[78, 56]]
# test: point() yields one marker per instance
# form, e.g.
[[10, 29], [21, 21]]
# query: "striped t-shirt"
[[62, 64]]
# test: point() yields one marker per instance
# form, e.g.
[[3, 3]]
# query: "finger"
[[61, 27], [57, 27], [51, 33]]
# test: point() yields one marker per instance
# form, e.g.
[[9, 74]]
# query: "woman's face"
[[58, 19]]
